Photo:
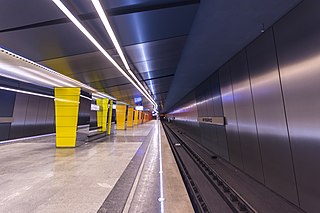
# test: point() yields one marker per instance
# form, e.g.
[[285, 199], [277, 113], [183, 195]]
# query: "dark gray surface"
[[35, 115], [300, 69], [250, 146], [84, 111], [19, 115], [41, 116], [117, 198], [50, 119], [4, 131], [7, 103], [235, 153], [31, 115], [218, 111], [270, 117]]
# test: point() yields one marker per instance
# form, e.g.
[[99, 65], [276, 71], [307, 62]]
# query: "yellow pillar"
[[121, 116], [110, 117], [136, 117], [102, 114], [130, 117], [140, 114], [66, 115]]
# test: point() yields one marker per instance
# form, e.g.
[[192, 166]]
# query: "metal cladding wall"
[[31, 115], [6, 110], [250, 146], [299, 66], [270, 117], [270, 94], [84, 111]]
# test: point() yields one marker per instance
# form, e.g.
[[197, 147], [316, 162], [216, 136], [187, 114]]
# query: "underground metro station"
[[149, 106]]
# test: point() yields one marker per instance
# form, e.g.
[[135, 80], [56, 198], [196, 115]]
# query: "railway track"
[[207, 190]]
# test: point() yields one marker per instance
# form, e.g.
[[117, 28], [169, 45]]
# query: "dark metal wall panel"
[[4, 131], [202, 109], [7, 103], [40, 127], [270, 117], [93, 119], [31, 116], [50, 119], [19, 116], [209, 97], [245, 116], [235, 154], [297, 38], [84, 111], [207, 132], [218, 111], [186, 114]]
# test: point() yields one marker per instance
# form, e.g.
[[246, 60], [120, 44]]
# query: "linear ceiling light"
[[75, 21], [17, 67], [114, 40], [26, 92]]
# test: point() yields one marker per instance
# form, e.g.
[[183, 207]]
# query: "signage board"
[[218, 120]]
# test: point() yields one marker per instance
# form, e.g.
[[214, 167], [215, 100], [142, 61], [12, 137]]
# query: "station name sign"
[[217, 120]]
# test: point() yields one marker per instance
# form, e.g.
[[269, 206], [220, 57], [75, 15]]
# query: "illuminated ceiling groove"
[[114, 40], [138, 85]]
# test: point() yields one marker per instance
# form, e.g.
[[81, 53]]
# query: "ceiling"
[[171, 45]]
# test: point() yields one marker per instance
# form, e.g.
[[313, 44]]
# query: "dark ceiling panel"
[[154, 25], [157, 64], [166, 48], [158, 73], [80, 63], [16, 13], [126, 3], [47, 42]]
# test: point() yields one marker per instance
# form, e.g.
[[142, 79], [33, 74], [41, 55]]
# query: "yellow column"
[[121, 116], [66, 115], [130, 117], [139, 117], [136, 117], [110, 117], [102, 114]]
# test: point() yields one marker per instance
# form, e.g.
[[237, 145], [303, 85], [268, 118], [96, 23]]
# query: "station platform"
[[132, 170]]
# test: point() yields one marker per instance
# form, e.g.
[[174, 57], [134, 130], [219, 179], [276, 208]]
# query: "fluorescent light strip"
[[48, 77], [103, 51], [19, 72], [49, 70], [86, 97], [105, 96], [26, 92], [108, 27]]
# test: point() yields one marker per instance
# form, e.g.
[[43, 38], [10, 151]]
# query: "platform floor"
[[37, 177]]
